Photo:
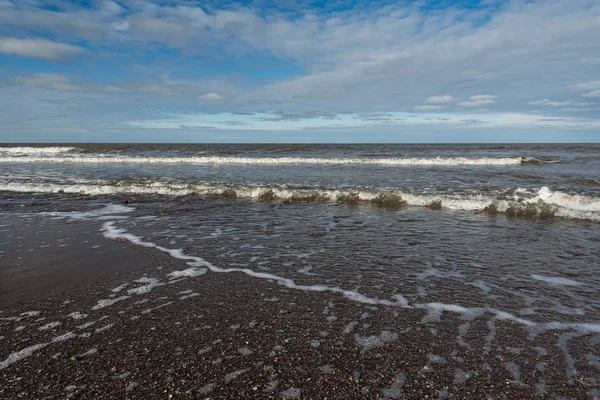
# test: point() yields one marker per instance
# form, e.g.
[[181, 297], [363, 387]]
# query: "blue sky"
[[294, 71]]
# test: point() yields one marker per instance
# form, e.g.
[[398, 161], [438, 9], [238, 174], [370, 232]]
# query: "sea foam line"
[[552, 203], [36, 150], [106, 159], [26, 352], [110, 231]]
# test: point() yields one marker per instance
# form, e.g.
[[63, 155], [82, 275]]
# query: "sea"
[[504, 232]]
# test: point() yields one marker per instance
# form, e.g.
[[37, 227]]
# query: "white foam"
[[189, 296], [104, 328], [563, 345], [461, 376], [21, 354], [28, 314], [130, 386], [119, 288], [107, 210], [26, 352], [149, 310], [326, 369], [481, 285], [188, 273], [77, 315], [108, 302], [35, 150], [557, 203], [107, 159], [245, 351], [62, 338], [291, 393], [206, 389], [87, 325], [150, 283], [110, 231], [556, 280], [395, 390], [235, 374], [370, 342], [90, 352], [350, 327], [571, 202], [50, 325]]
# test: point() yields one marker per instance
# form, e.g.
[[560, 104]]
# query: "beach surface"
[[87, 311]]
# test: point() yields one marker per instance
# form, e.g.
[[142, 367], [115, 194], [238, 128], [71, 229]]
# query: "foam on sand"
[[77, 315], [108, 302], [110, 231], [107, 210], [50, 325], [556, 280], [188, 273], [149, 284], [26, 352], [21, 354], [371, 342]]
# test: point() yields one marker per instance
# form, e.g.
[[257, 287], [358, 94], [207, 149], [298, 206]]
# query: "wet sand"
[[52, 257], [90, 322]]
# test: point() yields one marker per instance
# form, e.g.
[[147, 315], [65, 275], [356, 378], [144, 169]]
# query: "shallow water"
[[473, 274]]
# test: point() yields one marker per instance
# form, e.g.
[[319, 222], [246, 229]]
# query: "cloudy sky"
[[294, 71]]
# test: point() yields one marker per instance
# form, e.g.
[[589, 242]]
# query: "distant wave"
[[104, 159], [544, 203], [35, 150]]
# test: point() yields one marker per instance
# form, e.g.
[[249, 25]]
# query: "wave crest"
[[23, 151], [544, 203], [106, 159]]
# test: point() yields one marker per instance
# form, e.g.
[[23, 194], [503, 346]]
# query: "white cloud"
[[210, 96], [63, 83], [574, 109], [529, 120], [479, 100], [483, 97], [111, 8], [428, 108], [591, 85], [263, 121], [38, 48], [49, 81], [441, 99], [156, 89], [550, 103], [595, 93], [172, 88]]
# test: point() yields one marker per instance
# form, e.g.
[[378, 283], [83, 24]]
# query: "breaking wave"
[[106, 158], [543, 203], [35, 150]]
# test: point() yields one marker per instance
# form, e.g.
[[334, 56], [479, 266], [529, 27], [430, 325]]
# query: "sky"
[[423, 71]]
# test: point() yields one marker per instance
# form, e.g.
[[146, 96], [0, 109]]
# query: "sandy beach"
[[102, 318]]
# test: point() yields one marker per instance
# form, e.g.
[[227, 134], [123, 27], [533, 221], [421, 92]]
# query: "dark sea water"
[[499, 232], [519, 180]]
